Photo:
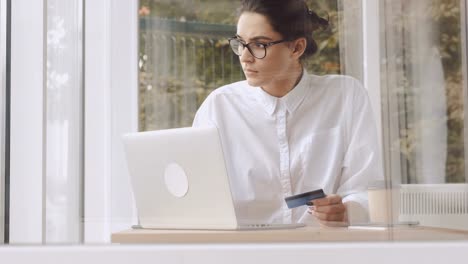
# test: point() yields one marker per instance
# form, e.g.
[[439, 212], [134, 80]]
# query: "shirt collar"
[[268, 101], [291, 100]]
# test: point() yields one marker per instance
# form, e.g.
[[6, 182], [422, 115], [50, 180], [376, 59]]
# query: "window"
[[424, 96], [421, 94], [184, 55]]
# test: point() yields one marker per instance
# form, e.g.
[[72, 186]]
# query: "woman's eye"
[[259, 45]]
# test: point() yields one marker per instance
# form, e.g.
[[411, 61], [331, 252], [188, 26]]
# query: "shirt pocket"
[[322, 156]]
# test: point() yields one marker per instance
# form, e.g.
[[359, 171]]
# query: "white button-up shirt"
[[322, 134]]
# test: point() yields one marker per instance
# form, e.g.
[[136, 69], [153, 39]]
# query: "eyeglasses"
[[257, 49]]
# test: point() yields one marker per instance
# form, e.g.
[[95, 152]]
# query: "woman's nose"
[[246, 56]]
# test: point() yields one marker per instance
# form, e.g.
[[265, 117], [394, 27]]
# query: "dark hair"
[[291, 18]]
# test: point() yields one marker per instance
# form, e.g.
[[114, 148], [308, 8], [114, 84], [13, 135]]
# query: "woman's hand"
[[329, 210]]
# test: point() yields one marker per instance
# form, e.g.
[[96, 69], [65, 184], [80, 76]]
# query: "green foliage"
[[208, 11], [327, 59]]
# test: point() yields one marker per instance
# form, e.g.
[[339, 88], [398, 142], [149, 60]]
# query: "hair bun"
[[318, 21]]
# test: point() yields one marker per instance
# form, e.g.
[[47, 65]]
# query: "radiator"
[[438, 205]]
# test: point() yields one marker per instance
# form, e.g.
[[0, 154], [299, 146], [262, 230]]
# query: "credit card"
[[303, 198]]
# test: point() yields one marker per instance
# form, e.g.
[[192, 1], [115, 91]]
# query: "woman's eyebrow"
[[257, 38]]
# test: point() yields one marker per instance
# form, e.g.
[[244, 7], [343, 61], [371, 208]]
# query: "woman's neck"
[[282, 86]]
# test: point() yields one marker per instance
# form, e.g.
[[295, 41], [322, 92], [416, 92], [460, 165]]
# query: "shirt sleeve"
[[205, 114], [362, 162]]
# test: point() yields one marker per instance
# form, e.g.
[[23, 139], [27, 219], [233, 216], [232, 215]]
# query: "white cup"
[[384, 204]]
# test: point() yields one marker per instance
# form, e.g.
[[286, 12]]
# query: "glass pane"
[[184, 55], [425, 91], [426, 79], [64, 122]]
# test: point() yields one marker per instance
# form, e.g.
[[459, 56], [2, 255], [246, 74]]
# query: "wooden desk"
[[305, 234]]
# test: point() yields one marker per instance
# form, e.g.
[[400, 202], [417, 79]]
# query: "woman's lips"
[[250, 72]]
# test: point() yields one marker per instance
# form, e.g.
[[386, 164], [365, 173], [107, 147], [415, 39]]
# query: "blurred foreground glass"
[[424, 93], [64, 93]]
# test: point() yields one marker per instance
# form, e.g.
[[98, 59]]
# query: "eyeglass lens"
[[256, 49]]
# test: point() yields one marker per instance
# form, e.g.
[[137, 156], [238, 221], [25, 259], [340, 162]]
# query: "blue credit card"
[[303, 198]]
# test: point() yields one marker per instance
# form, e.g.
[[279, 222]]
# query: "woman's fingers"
[[329, 217], [329, 199], [329, 209]]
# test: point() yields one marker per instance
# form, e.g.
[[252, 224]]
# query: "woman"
[[285, 131]]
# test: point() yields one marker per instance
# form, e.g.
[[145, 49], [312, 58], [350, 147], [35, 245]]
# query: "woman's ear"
[[299, 46]]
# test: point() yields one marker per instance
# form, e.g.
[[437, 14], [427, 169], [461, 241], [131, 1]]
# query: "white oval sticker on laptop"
[[176, 180]]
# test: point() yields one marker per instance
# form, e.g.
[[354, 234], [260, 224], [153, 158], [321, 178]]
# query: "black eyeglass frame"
[[265, 45]]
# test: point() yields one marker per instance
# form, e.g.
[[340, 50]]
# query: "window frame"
[[371, 57], [97, 122], [3, 114], [464, 41], [124, 104], [111, 109], [27, 114]]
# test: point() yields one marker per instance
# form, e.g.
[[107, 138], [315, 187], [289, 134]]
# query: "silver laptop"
[[179, 180]]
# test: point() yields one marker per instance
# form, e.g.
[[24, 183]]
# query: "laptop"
[[179, 181]]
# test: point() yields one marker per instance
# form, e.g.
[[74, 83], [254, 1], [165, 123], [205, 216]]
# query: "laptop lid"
[[179, 179]]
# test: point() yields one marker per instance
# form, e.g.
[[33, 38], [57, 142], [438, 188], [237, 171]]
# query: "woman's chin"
[[254, 82]]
